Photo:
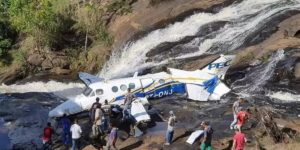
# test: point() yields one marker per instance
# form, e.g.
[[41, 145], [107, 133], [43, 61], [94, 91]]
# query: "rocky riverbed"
[[266, 71]]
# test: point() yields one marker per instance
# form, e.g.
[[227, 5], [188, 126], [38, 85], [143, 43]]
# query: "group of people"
[[70, 133], [100, 119], [101, 125], [240, 116]]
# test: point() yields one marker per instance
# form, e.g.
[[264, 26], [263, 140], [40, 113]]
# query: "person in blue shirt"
[[65, 124]]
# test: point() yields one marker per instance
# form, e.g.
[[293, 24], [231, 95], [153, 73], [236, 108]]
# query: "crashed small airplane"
[[199, 85]]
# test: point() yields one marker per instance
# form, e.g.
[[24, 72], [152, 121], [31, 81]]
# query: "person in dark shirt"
[[47, 136], [93, 108], [207, 138]]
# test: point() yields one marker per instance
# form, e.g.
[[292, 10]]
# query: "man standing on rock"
[[93, 108], [98, 118], [112, 138], [242, 117], [170, 129], [106, 110], [65, 124], [47, 137], [239, 140], [127, 102], [76, 134], [207, 137], [235, 110]]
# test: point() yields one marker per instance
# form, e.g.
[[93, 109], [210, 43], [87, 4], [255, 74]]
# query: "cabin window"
[[114, 89], [131, 85], [161, 81], [87, 91], [123, 87], [99, 91]]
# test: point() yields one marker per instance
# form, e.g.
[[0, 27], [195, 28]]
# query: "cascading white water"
[[256, 79], [60, 89], [284, 96], [244, 18]]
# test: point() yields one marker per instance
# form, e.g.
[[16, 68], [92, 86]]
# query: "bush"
[[36, 18]]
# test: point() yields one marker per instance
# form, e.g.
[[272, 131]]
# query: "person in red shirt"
[[242, 117], [239, 140], [47, 136]]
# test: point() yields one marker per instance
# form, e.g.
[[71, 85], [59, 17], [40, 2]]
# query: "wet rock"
[[297, 34], [35, 59], [297, 71], [60, 71], [11, 75]]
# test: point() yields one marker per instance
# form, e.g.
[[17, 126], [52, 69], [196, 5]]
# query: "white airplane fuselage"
[[150, 86]]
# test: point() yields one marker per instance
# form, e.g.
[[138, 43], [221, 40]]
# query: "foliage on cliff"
[[43, 27]]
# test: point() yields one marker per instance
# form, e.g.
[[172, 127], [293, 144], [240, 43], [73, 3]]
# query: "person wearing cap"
[[239, 140], [207, 136], [170, 129], [235, 110]]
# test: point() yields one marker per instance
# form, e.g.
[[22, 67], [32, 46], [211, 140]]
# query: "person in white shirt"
[[235, 110], [171, 126], [98, 118], [76, 134]]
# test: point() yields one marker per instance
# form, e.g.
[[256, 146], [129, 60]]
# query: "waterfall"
[[244, 18], [254, 81]]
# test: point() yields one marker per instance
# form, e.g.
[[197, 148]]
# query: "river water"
[[233, 27]]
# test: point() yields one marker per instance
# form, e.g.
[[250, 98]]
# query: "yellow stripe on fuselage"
[[150, 88]]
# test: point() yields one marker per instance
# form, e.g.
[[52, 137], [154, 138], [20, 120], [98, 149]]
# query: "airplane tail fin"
[[220, 66], [88, 78]]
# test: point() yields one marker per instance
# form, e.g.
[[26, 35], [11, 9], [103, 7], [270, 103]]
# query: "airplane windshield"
[[87, 91]]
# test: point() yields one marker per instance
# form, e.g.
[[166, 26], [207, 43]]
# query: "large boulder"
[[47, 64], [61, 62], [35, 59]]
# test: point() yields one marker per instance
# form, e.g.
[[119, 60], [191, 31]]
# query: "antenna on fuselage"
[[135, 74]]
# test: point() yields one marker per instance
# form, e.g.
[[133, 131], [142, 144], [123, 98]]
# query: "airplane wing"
[[88, 78], [220, 66], [200, 85]]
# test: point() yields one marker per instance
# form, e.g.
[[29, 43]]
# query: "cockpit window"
[[87, 91], [99, 91]]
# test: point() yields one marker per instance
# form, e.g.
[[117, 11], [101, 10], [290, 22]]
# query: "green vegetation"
[[48, 26], [36, 18]]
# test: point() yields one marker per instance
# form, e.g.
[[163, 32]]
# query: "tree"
[[36, 18], [5, 31]]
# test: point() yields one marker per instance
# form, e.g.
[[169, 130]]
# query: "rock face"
[[281, 39], [297, 71], [56, 62], [145, 16], [35, 59]]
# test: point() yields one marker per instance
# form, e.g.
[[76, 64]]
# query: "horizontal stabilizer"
[[88, 78]]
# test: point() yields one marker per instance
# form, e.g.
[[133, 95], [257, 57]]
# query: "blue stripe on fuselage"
[[160, 91]]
